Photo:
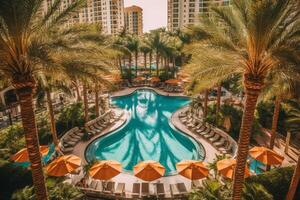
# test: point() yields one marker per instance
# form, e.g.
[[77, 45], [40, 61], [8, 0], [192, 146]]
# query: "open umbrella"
[[172, 81], [192, 169], [149, 170], [154, 79], [266, 156], [22, 155], [105, 170], [226, 168], [63, 165], [138, 79]]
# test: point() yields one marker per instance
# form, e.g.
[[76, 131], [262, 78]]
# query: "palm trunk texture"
[[252, 90], [52, 118], [25, 94]]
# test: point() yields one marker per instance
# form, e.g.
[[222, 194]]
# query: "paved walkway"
[[128, 178]]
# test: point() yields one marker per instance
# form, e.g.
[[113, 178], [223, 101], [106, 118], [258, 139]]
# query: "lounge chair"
[[215, 138], [196, 184], [109, 187], [209, 134], [182, 189], [136, 190], [145, 191], [174, 190], [93, 185], [160, 190], [197, 127], [120, 190], [201, 129], [227, 149], [220, 143], [99, 187]]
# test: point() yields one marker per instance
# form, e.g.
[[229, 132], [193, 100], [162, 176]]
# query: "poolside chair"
[[160, 190], [136, 190], [99, 187], [109, 187], [210, 134], [174, 190], [201, 129], [220, 143], [197, 127], [196, 184], [93, 185], [182, 189], [120, 190], [145, 190], [225, 150], [215, 138]]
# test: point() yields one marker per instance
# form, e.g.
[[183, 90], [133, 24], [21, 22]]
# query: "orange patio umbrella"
[[192, 169], [266, 156], [22, 155], [226, 168], [63, 165], [149, 170], [137, 79], [173, 81], [105, 170], [154, 79]]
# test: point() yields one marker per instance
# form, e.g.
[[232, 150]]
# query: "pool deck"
[[129, 179]]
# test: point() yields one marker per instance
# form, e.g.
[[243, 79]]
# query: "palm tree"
[[145, 49], [157, 43], [249, 38], [132, 45], [22, 51], [282, 86]]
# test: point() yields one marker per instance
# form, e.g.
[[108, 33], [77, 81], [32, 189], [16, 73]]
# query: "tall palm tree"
[[157, 42], [249, 38], [132, 45], [145, 49], [22, 50]]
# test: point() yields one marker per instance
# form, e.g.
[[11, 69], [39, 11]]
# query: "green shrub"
[[56, 191], [70, 117], [12, 178], [276, 181], [12, 139], [264, 112]]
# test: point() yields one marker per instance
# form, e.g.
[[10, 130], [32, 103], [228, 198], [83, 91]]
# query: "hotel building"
[[186, 12], [134, 20]]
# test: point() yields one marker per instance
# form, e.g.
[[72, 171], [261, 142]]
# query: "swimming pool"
[[148, 134]]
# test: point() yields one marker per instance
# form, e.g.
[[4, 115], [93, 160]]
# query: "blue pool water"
[[147, 135]]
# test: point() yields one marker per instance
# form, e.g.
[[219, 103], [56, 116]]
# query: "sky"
[[154, 12]]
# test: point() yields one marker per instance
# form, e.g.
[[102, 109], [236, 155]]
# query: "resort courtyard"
[[205, 109]]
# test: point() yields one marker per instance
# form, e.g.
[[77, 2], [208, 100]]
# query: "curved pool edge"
[[174, 126]]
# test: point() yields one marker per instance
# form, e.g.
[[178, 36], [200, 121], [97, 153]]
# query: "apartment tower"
[[186, 12], [134, 20], [108, 13]]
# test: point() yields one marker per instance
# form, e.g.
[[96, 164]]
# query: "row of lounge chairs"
[[97, 125], [98, 189], [93, 127], [71, 138], [207, 132]]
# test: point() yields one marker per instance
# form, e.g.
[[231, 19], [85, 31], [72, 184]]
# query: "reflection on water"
[[147, 135]]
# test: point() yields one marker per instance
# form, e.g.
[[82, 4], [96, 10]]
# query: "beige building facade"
[[108, 13], [134, 20], [182, 13]]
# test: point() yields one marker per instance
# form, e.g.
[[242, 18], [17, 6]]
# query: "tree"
[[23, 51], [132, 44], [145, 49], [250, 38]]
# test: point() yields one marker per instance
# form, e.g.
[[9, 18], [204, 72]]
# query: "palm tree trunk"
[[130, 73], [77, 92], [52, 118], [25, 94], [150, 60], [174, 66], [295, 181], [275, 121], [97, 102], [205, 104], [120, 65], [252, 90], [219, 92], [85, 104], [145, 61], [136, 64], [157, 64]]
